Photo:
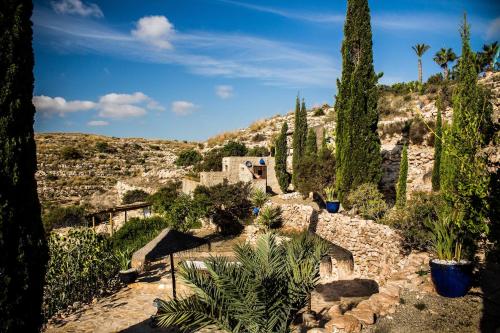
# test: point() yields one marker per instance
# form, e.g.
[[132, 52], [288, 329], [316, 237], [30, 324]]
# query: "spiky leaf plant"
[[259, 293]]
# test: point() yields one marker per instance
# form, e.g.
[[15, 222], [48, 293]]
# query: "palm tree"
[[490, 52], [420, 49], [261, 293], [443, 57]]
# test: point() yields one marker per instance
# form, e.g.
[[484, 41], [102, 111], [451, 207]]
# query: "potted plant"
[[258, 199], [332, 204], [450, 272], [126, 274]]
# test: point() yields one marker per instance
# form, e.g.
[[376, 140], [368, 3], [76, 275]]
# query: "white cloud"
[[98, 123], [76, 7], [224, 91], [183, 108], [111, 105], [58, 105], [493, 30], [155, 30]]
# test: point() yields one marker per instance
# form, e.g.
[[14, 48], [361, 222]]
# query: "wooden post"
[[172, 271], [93, 222], [111, 222], [125, 216]]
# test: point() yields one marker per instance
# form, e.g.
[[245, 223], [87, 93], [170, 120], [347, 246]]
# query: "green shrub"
[[58, 217], [184, 213], [367, 201], [259, 151], [418, 130], [164, 197], [259, 197], [270, 217], [212, 161], [137, 232], [316, 172], [188, 157], [258, 137], [234, 148], [410, 220], [435, 79], [134, 196], [81, 266], [104, 147], [318, 112], [71, 153], [227, 205]]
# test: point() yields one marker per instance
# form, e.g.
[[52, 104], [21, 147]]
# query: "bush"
[[234, 148], [435, 79], [81, 266], [316, 173], [71, 153], [227, 205], [258, 137], [104, 147], [318, 112], [137, 232], [212, 161], [164, 197], [418, 130], [259, 198], [188, 157], [410, 221], [59, 217], [270, 217], [134, 196], [366, 201], [184, 213], [258, 151]]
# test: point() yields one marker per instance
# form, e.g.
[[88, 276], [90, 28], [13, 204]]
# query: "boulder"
[[343, 324]]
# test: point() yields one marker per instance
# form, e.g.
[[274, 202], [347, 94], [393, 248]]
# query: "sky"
[[189, 69]]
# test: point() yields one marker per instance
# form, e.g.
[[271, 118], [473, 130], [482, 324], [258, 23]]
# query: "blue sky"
[[189, 69]]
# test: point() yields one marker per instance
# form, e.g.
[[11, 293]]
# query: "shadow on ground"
[[333, 291]]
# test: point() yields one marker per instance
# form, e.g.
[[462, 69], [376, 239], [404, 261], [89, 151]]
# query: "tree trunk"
[[420, 70], [445, 70]]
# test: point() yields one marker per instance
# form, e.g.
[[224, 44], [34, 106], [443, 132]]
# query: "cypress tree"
[[464, 175], [324, 147], [280, 159], [403, 176], [438, 144], [299, 137], [357, 142], [23, 251], [311, 143]]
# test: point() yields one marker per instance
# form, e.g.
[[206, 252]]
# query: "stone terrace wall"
[[296, 217], [375, 247]]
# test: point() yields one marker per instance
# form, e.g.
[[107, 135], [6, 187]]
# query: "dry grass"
[[221, 138], [257, 125]]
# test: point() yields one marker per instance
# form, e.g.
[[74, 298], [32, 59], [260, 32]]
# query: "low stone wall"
[[375, 247], [296, 217]]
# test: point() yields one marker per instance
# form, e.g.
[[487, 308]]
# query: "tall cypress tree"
[[299, 137], [23, 251], [311, 144], [280, 159], [464, 175], [403, 176], [438, 144], [357, 142]]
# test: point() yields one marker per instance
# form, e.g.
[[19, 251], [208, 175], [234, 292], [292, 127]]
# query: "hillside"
[[109, 166]]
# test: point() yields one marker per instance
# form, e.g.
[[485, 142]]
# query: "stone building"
[[259, 171]]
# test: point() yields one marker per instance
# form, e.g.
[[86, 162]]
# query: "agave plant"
[[259, 198], [261, 293], [270, 217]]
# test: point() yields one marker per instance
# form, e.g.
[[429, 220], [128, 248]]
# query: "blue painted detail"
[[451, 280], [262, 162]]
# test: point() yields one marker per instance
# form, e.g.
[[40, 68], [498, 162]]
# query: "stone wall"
[[296, 217], [189, 185], [375, 247]]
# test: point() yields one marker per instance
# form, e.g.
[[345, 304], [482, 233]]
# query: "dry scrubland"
[[107, 167]]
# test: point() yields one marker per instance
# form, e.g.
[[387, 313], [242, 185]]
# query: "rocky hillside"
[[104, 168], [84, 168]]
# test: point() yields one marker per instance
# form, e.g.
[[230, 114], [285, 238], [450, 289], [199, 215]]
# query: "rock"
[[343, 324], [334, 311], [367, 317], [317, 330]]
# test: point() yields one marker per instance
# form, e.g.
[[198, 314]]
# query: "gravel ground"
[[424, 313]]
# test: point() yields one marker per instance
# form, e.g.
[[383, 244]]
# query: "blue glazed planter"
[[332, 206], [451, 280], [255, 211]]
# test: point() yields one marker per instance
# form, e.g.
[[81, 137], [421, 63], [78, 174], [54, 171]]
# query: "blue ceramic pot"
[[451, 280], [332, 206], [256, 211]]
